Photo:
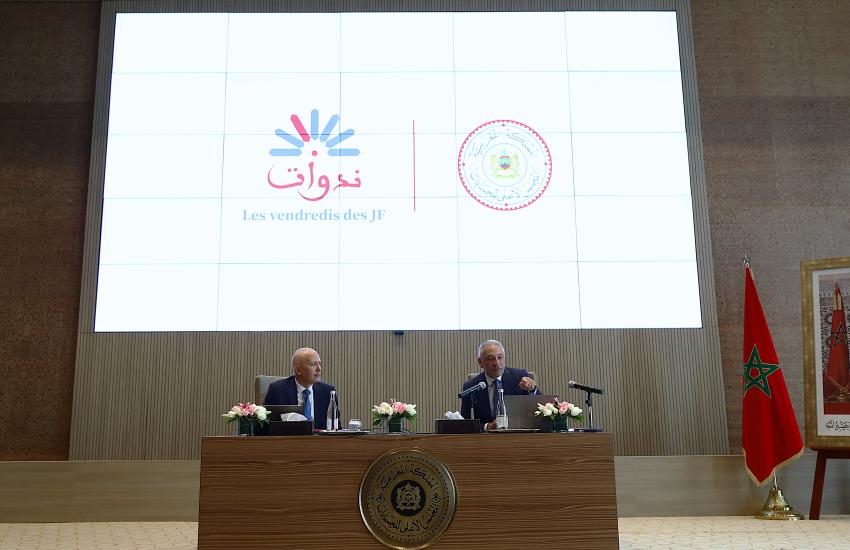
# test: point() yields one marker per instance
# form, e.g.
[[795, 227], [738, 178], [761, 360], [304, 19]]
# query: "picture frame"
[[826, 373]]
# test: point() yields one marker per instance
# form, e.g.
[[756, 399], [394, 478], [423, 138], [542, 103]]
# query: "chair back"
[[261, 386]]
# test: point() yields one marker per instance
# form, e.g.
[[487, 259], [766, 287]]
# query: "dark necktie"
[[308, 405], [496, 385]]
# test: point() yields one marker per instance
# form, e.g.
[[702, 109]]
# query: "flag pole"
[[776, 507], [770, 437]]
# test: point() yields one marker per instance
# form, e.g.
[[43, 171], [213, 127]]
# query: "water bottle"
[[502, 412], [333, 414]]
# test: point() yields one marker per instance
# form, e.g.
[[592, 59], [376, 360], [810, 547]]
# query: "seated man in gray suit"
[[304, 388], [491, 359]]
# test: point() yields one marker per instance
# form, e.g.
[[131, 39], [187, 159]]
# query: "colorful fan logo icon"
[[313, 177], [303, 137]]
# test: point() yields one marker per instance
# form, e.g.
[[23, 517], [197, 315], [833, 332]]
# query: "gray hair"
[[486, 343]]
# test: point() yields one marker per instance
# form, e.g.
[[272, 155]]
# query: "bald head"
[[307, 366]]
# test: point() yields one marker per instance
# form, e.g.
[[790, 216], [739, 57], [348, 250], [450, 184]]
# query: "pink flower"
[[399, 407], [563, 407]]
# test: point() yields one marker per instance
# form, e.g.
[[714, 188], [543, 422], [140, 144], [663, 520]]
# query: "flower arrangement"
[[247, 412], [559, 410], [387, 412]]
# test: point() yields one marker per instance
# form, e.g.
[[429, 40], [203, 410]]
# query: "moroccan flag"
[[771, 437], [836, 383]]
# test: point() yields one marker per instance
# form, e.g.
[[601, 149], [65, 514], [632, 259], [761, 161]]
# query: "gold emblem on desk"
[[407, 499]]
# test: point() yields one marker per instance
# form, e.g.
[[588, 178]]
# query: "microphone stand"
[[471, 396], [589, 403]]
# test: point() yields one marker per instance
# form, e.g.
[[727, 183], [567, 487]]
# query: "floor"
[[702, 533], [734, 533]]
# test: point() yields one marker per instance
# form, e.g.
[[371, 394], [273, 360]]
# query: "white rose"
[[411, 410], [261, 415], [385, 408], [575, 411]]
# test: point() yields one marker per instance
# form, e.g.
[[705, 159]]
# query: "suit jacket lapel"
[[509, 382], [483, 408], [292, 390], [320, 405]]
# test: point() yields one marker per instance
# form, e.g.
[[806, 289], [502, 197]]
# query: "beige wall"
[[773, 82], [775, 130]]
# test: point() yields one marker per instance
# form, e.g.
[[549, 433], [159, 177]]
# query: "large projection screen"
[[391, 183], [379, 171]]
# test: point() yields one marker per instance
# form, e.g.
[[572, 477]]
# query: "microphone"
[[589, 389], [473, 389]]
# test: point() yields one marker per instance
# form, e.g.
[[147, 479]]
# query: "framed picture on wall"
[[825, 293]]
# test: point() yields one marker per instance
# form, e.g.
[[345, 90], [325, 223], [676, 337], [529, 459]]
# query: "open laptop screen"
[[521, 409]]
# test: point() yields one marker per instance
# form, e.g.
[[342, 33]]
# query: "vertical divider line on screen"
[[221, 184], [457, 197], [339, 296], [572, 165], [413, 134]]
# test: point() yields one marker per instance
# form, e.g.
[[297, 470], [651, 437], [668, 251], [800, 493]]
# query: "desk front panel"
[[514, 490]]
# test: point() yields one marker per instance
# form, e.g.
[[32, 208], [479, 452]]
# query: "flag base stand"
[[777, 508]]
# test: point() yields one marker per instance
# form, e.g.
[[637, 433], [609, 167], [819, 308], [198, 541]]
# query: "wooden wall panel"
[[166, 391]]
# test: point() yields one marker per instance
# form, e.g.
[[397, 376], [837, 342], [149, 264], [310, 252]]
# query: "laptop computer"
[[521, 409]]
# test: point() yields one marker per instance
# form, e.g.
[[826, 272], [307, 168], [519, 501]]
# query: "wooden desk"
[[514, 490]]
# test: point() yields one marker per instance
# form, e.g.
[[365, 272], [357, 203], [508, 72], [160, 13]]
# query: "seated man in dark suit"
[[304, 388], [491, 359]]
